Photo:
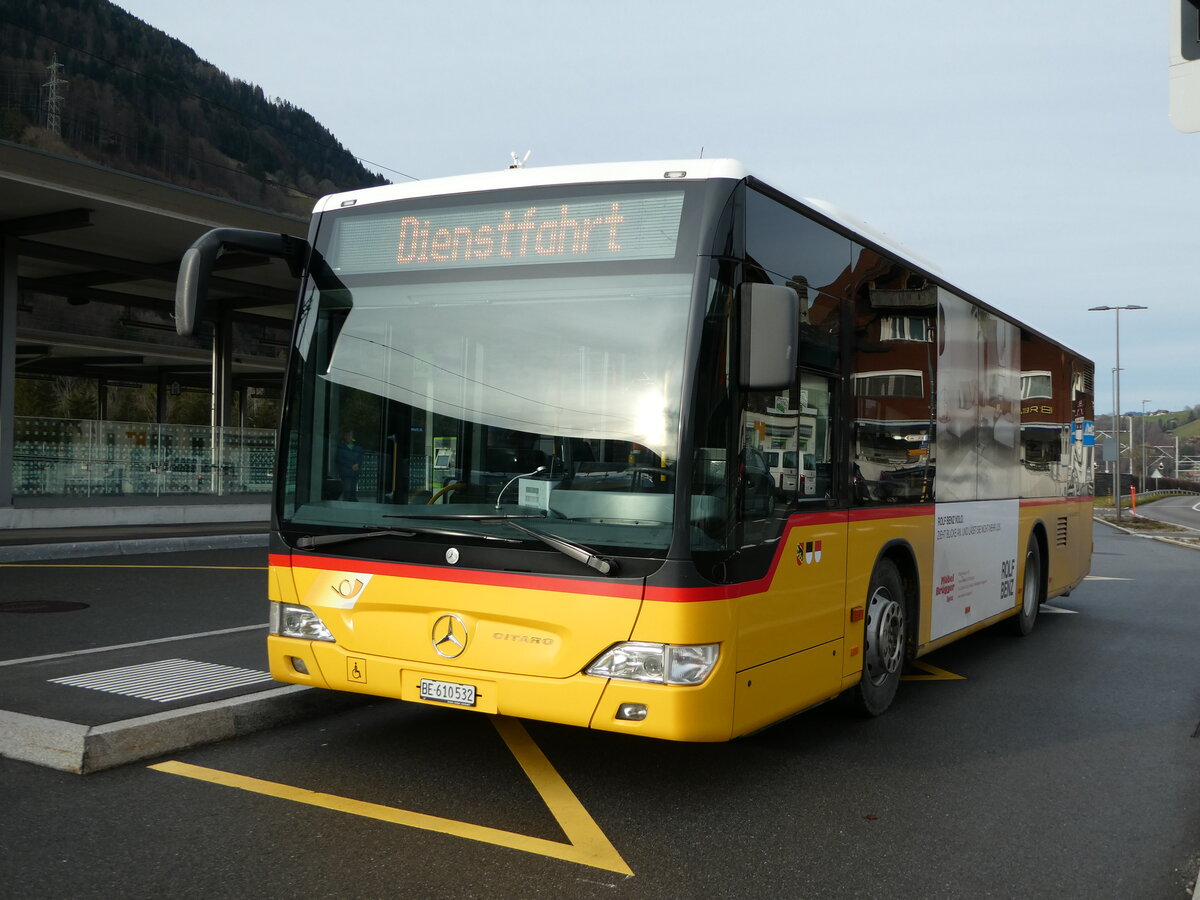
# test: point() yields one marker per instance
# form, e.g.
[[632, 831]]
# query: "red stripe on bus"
[[761, 585], [597, 588], [1056, 501], [629, 591], [746, 588], [874, 514], [460, 576]]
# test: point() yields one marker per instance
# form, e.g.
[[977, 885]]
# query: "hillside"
[[1183, 424], [1158, 435], [126, 95], [1189, 431]]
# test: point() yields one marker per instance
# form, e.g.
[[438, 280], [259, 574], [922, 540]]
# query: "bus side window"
[[712, 484], [763, 502], [808, 257], [815, 440], [792, 430], [893, 440]]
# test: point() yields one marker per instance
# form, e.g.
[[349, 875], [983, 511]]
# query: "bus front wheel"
[[884, 640]]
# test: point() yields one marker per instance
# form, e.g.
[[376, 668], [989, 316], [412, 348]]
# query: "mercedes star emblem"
[[449, 636]]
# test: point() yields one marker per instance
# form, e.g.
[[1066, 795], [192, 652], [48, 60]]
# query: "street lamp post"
[[1116, 485], [1117, 397]]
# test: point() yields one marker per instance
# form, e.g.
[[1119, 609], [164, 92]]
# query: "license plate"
[[448, 692]]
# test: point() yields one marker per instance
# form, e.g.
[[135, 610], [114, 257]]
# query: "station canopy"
[[98, 253]]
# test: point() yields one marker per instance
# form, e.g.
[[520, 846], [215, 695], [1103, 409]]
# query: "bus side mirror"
[[191, 288], [770, 335]]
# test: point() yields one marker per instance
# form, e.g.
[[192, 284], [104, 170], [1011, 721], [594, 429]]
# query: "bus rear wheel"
[[1032, 594], [884, 640]]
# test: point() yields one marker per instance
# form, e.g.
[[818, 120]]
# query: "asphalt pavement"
[[136, 677]]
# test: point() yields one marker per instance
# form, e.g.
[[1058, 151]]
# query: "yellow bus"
[[524, 454]]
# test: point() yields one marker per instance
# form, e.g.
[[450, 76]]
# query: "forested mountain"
[[84, 78]]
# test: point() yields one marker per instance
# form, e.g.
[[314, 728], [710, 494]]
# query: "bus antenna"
[[519, 162]]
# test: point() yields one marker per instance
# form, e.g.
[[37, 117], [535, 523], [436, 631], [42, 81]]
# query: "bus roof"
[[652, 170], [538, 176]]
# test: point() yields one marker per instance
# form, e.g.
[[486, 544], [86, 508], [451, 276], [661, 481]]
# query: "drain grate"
[[170, 679]]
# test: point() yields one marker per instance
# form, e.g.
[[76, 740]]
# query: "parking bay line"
[[587, 845], [166, 640], [932, 673]]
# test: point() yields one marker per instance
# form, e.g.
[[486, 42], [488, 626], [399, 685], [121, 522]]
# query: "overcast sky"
[[1024, 147]]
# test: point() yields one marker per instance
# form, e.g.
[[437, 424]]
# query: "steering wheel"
[[445, 490], [646, 479]]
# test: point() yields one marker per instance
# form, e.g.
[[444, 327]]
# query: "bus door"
[[792, 616]]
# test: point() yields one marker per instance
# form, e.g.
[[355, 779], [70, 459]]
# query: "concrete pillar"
[[222, 373], [222, 394]]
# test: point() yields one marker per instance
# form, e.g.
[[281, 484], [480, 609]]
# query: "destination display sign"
[[560, 230]]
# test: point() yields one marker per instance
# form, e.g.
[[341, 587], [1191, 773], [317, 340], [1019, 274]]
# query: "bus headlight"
[[656, 663], [294, 620]]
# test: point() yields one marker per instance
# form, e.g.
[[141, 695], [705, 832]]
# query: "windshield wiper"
[[577, 552], [307, 542]]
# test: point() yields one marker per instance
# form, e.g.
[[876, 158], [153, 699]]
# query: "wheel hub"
[[884, 635]]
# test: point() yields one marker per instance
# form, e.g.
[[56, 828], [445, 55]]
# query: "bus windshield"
[[456, 387]]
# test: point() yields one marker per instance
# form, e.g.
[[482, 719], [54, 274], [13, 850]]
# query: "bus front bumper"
[[672, 712]]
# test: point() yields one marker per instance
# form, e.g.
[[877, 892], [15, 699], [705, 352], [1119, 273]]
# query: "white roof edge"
[[539, 176], [839, 215]]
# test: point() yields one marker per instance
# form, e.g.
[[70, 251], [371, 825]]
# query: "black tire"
[[1033, 588], [885, 639]]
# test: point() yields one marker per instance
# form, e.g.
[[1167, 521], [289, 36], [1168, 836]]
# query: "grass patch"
[[1150, 526]]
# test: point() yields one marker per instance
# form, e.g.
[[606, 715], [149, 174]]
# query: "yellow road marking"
[[591, 846], [587, 844], [934, 673]]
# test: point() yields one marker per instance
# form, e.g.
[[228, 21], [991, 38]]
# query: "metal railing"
[[88, 458]]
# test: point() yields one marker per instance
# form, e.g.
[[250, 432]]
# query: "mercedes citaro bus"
[[523, 458]]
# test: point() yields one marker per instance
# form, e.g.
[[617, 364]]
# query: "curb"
[[83, 749], [128, 547], [1150, 537]]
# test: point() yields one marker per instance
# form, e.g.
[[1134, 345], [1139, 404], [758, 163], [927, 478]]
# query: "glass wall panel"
[[90, 459]]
